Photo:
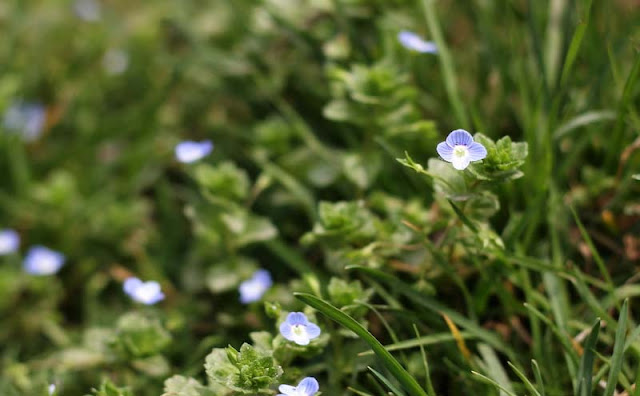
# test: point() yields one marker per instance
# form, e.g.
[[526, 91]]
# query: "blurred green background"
[[309, 103]]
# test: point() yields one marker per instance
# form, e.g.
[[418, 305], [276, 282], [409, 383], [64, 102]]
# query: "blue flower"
[[298, 329], [414, 42], [51, 389], [190, 151], [26, 119], [147, 293], [43, 261], [460, 149], [87, 10], [252, 289], [9, 241], [307, 387]]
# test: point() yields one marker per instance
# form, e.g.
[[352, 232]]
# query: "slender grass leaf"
[[407, 381], [386, 382], [538, 375], [524, 379], [618, 351], [585, 371], [488, 380]]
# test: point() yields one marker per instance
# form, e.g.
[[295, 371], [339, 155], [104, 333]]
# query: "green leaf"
[[407, 381], [585, 371], [386, 382], [618, 350]]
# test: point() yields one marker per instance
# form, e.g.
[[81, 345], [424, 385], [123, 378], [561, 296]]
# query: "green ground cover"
[[321, 234]]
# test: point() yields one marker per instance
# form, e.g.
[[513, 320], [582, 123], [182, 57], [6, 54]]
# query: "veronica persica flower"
[[26, 119], [298, 329], [52, 389], [190, 151], [307, 387], [414, 42], [147, 293], [43, 261], [460, 149], [252, 289], [9, 242]]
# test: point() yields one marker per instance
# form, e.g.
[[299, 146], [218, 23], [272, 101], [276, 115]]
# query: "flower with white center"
[[147, 293], [190, 151], [460, 149], [115, 61], [43, 261], [252, 289], [9, 241], [414, 42], [87, 10], [52, 389], [298, 329], [26, 119], [307, 387]]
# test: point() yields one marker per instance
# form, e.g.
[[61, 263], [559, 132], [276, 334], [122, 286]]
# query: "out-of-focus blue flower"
[[147, 293], [26, 119], [190, 151], [88, 10], [115, 61], [43, 261], [307, 387], [460, 149], [9, 241], [52, 389], [298, 329], [414, 42], [252, 289]]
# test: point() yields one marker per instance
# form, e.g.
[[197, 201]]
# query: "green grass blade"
[[407, 381], [585, 371], [435, 306], [538, 375], [431, 339], [488, 380], [386, 382], [494, 367], [618, 351], [446, 64], [425, 362], [576, 41], [524, 379]]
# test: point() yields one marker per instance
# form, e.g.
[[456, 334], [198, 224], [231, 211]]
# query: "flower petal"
[[313, 331], [131, 284], [477, 151], [461, 163], [445, 151], [414, 42], [308, 386], [286, 330], [297, 318], [459, 137], [287, 389]]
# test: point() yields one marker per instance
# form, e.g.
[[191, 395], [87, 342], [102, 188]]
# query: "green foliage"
[[498, 272], [248, 371]]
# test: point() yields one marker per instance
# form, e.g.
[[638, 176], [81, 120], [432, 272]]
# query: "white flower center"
[[460, 151], [299, 330]]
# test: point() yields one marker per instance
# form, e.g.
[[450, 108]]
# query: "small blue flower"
[[414, 42], [190, 151], [460, 149], [9, 241], [147, 293], [26, 119], [252, 289], [307, 387], [51, 389], [43, 261], [298, 329], [87, 10]]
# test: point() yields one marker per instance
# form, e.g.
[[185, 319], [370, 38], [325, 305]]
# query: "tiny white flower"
[[147, 293], [190, 151]]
